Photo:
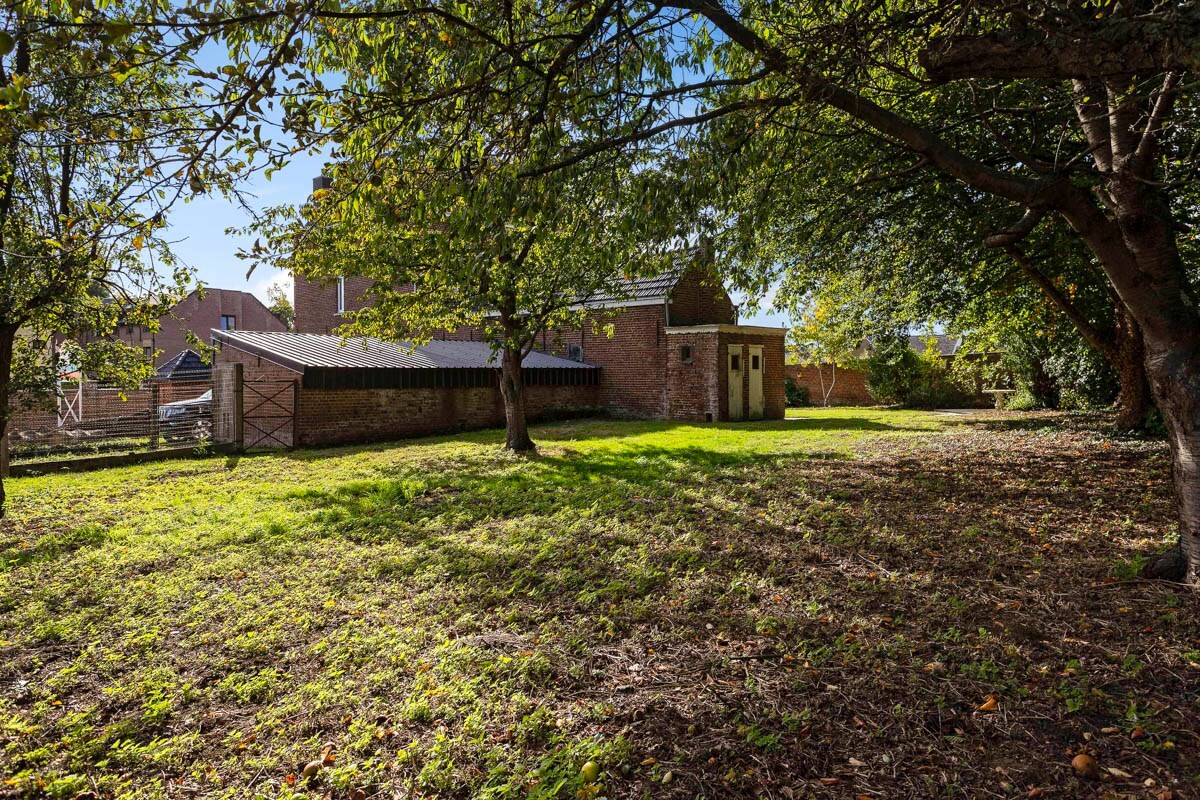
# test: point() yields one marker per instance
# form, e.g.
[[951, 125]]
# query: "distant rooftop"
[[186, 366], [946, 345]]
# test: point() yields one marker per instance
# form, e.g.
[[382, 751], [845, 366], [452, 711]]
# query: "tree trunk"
[[1139, 253], [1175, 378], [1133, 402], [516, 429], [1044, 386], [8, 334]]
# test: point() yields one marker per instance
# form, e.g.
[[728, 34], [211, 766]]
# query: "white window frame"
[[341, 294]]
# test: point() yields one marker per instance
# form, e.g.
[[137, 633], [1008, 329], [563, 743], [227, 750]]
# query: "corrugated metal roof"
[[301, 350], [452, 353]]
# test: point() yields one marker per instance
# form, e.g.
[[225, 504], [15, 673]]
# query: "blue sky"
[[198, 230], [200, 241]]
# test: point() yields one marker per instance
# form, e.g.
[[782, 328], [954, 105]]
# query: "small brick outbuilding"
[[312, 389]]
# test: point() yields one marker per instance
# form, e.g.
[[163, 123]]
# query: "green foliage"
[[102, 123], [794, 395], [281, 306], [897, 375]]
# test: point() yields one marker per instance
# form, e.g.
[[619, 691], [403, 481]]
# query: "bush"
[[793, 394], [899, 376]]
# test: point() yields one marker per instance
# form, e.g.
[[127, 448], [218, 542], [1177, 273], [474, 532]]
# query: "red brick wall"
[[198, 316], [773, 373], [850, 388], [633, 380], [693, 390], [330, 416], [367, 415], [98, 404], [700, 299], [316, 302], [632, 361]]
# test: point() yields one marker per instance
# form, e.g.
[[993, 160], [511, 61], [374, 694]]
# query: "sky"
[[198, 229], [198, 232]]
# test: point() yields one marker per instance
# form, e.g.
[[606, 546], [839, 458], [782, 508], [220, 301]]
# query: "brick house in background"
[[199, 313], [675, 352]]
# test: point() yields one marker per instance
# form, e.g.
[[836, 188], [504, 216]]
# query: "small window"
[[228, 322], [685, 353], [574, 352], [754, 362], [341, 295], [735, 363], [146, 351]]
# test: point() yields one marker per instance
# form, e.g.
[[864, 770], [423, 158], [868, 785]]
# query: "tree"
[[829, 333], [1112, 176], [912, 251], [281, 305], [102, 130], [435, 207], [931, 87]]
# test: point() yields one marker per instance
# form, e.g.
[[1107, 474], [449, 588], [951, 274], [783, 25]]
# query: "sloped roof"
[[187, 365], [946, 345], [479, 354], [628, 290], [302, 350]]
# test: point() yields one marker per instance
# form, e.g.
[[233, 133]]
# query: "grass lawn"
[[846, 603]]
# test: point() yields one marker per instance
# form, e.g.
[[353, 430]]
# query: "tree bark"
[[8, 335], [1138, 251], [1133, 401], [512, 387]]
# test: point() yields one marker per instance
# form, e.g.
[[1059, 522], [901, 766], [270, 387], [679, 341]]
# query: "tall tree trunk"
[[1175, 378], [1140, 255], [8, 335], [1133, 401], [516, 429]]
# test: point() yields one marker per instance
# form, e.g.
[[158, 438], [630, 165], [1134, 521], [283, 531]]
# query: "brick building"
[[675, 349], [198, 313], [316, 389]]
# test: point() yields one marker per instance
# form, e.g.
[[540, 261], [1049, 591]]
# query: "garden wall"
[[850, 389]]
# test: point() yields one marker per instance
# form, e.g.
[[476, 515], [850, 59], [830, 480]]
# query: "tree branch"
[[1062, 56]]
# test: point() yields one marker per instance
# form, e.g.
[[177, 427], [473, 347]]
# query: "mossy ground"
[[813, 607]]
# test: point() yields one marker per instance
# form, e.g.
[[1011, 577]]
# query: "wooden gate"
[[269, 415]]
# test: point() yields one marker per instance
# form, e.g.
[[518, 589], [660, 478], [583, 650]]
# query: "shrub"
[[794, 394], [898, 376]]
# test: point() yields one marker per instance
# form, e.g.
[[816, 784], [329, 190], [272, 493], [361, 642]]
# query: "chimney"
[[322, 182]]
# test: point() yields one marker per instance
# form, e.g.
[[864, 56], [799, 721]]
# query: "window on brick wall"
[[754, 362], [685, 353], [574, 352], [228, 322], [341, 295]]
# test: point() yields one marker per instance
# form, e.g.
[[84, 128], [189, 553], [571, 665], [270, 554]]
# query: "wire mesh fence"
[[86, 418]]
